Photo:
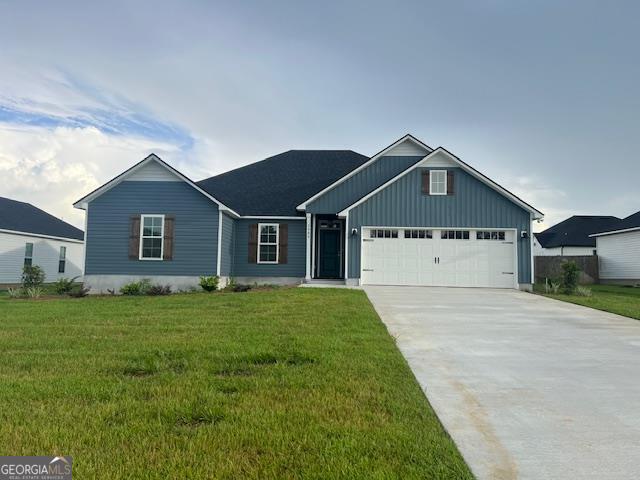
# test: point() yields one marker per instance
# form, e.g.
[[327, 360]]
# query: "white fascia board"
[[479, 176], [613, 232], [407, 137], [83, 202], [40, 235]]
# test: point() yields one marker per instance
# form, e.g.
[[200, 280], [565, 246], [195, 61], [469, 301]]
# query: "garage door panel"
[[485, 259]]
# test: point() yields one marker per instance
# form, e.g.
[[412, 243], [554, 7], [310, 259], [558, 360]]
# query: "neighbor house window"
[[28, 254], [151, 237], [438, 182], [268, 243], [63, 259]]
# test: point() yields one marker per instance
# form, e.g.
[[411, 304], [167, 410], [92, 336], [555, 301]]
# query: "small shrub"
[[34, 292], [136, 288], [570, 272], [15, 292], [64, 285], [209, 284], [583, 291], [159, 290], [32, 276], [78, 291], [551, 286]]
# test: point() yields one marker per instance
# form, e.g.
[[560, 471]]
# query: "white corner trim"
[[83, 202], [346, 247], [219, 255], [40, 235], [613, 232], [308, 236], [407, 137], [474, 173]]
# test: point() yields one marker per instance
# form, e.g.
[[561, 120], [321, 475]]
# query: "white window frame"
[[26, 257], [142, 217], [62, 258], [431, 182], [277, 227]]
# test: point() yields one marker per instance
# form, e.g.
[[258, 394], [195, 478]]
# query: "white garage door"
[[431, 257]]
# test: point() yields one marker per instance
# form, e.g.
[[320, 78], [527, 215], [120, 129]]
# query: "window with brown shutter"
[[253, 243], [283, 243], [450, 182], [425, 182], [169, 227], [134, 237]]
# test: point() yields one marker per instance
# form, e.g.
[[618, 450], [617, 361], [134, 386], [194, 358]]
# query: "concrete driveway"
[[528, 387]]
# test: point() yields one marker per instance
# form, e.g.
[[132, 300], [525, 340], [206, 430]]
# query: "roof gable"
[[404, 146], [21, 217], [450, 157], [575, 231], [151, 168]]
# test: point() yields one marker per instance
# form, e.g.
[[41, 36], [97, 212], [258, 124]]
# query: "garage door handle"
[[367, 240], [507, 273], [367, 270]]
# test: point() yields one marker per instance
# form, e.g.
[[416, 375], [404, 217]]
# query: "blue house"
[[409, 215]]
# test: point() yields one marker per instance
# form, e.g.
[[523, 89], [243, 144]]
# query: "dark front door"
[[330, 256]]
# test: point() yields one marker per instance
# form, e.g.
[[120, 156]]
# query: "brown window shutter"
[[253, 243], [425, 182], [134, 238], [283, 243], [169, 227], [450, 183]]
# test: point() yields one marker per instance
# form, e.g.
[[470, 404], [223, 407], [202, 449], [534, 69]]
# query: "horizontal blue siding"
[[226, 252], [474, 204], [195, 236], [358, 185], [295, 266]]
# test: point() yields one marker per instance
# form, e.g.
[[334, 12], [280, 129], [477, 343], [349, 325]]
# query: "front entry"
[[330, 249]]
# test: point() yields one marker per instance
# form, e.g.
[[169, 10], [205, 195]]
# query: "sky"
[[540, 96]]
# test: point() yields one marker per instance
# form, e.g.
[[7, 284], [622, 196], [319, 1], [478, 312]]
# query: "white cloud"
[[52, 168]]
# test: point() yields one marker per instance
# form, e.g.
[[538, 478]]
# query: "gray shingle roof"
[[278, 184], [632, 221], [24, 217], [575, 231]]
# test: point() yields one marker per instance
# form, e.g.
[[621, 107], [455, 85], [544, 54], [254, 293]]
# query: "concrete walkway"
[[528, 387]]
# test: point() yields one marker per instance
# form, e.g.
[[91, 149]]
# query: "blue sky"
[[541, 96]]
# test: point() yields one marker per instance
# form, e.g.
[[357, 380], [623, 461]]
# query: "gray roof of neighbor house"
[[632, 221], [24, 217], [575, 231], [276, 185]]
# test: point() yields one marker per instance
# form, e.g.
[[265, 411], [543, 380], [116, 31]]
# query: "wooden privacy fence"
[[551, 267]]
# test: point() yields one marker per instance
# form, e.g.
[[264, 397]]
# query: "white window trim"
[[140, 257], [277, 227], [431, 192]]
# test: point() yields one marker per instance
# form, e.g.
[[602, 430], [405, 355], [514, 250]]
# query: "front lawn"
[[290, 383], [610, 298]]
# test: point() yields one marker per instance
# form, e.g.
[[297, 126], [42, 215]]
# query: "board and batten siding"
[[619, 256], [295, 266], [361, 183], [46, 255], [195, 234], [226, 251], [474, 204]]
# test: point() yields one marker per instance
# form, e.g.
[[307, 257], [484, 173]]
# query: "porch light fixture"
[[354, 232]]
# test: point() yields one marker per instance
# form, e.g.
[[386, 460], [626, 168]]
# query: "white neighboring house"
[[619, 251], [571, 236], [30, 236]]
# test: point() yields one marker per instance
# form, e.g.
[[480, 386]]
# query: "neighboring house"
[[619, 251], [30, 236], [409, 215], [571, 236]]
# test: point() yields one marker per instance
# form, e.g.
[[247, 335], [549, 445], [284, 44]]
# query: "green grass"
[[290, 383], [610, 298]]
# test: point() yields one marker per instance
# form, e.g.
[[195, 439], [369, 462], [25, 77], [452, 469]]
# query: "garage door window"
[[489, 235], [418, 234], [454, 234], [386, 233]]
